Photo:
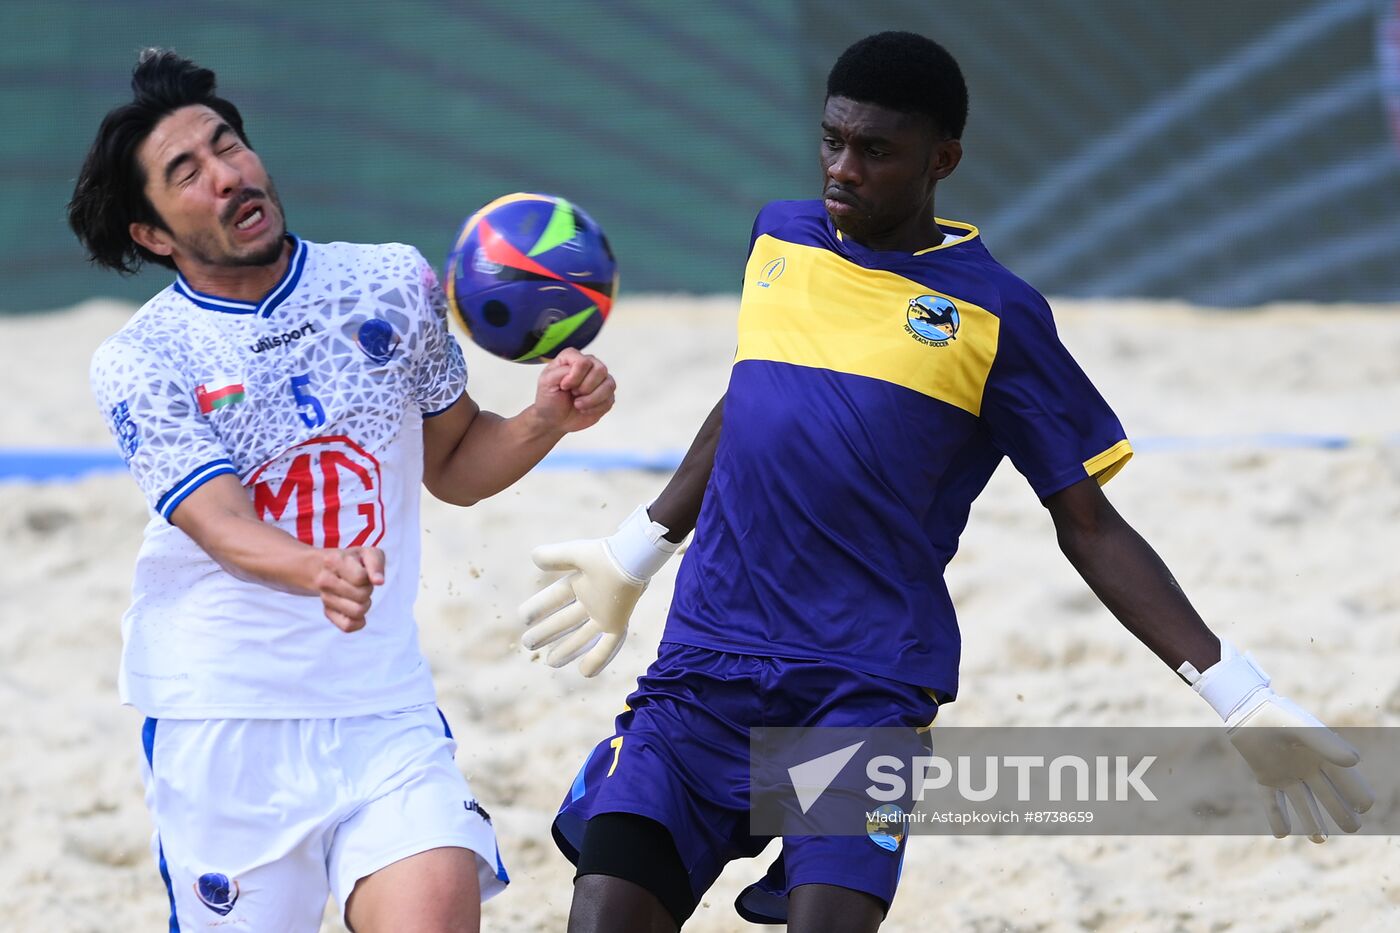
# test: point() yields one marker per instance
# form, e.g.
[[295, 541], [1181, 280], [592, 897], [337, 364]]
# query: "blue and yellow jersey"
[[873, 394]]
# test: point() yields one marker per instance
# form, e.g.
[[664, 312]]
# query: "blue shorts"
[[680, 756]]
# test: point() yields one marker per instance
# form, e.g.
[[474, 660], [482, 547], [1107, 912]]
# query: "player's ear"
[[152, 238], [944, 157]]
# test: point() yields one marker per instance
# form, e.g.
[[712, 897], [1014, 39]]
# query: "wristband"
[[1229, 684], [639, 546]]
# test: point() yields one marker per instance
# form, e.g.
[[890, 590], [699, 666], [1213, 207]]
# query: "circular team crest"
[[932, 319], [217, 892], [885, 826]]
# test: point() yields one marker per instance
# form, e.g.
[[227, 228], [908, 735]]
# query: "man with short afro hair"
[[886, 365], [906, 72]]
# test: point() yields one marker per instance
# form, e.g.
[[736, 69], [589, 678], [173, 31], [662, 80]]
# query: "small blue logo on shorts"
[[885, 826], [932, 320], [377, 339], [216, 892]]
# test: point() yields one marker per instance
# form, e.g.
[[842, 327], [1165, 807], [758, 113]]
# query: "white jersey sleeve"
[[152, 411], [440, 371]]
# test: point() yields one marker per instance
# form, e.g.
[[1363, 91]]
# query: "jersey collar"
[[264, 308], [965, 233]]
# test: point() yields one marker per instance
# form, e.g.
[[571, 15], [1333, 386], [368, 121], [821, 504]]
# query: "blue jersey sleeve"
[[1040, 408]]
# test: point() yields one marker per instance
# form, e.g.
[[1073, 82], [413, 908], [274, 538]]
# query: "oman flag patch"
[[219, 392]]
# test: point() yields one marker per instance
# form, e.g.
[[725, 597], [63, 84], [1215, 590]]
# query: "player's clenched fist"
[[346, 581], [574, 391]]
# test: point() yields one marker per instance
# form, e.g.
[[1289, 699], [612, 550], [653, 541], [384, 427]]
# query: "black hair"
[[110, 193], [906, 72]]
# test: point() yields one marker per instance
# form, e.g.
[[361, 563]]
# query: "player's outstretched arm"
[[219, 517], [470, 454], [1296, 759], [678, 506], [585, 613]]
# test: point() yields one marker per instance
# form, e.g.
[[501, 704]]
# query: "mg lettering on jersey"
[[329, 486]]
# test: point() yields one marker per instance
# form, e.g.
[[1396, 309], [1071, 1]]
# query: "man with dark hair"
[[886, 364], [280, 404]]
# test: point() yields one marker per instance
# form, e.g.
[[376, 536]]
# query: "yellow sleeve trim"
[[934, 697], [1106, 465]]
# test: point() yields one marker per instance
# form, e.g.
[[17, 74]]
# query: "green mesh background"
[[1223, 153]]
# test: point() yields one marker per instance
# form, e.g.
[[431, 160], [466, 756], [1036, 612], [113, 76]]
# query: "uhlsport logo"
[[376, 338], [217, 892], [931, 320], [285, 339], [472, 806]]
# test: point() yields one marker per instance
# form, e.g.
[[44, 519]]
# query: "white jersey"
[[315, 398]]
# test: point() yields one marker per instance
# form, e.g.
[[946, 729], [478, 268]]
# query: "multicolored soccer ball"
[[530, 275]]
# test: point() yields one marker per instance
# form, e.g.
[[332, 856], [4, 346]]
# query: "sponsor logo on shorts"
[[473, 807], [274, 341], [932, 320], [217, 892]]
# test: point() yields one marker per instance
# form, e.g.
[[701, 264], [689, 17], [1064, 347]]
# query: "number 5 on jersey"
[[305, 399]]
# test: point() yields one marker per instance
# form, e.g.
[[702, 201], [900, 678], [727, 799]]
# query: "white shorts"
[[258, 820]]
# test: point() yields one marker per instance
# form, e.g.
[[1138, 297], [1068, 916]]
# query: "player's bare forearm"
[[1129, 578], [678, 506], [219, 517], [470, 454]]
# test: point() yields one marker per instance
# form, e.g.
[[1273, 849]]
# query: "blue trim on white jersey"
[[284, 289], [280, 292], [148, 742], [192, 481], [501, 875], [434, 414]]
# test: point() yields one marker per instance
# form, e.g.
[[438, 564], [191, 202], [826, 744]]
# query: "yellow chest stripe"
[[809, 307]]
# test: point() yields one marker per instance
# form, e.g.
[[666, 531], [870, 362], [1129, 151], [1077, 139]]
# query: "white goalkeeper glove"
[[584, 614], [1295, 758]]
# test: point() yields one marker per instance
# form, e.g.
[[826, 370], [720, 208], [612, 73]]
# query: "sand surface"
[[1292, 552]]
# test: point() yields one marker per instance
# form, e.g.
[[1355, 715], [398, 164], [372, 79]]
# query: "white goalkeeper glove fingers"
[[583, 615], [1297, 760]]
